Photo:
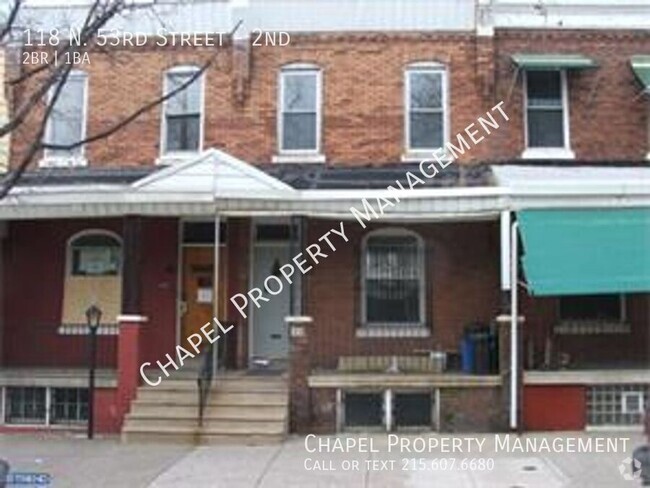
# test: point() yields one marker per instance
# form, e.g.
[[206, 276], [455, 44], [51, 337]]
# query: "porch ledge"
[[56, 377], [587, 377], [401, 380]]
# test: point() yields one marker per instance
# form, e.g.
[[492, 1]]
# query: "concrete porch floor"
[[76, 462]]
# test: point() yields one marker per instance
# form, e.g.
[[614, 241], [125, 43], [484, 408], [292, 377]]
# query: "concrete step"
[[162, 410], [159, 434], [221, 427], [247, 386], [234, 398], [136, 421], [175, 396], [249, 412], [241, 439]]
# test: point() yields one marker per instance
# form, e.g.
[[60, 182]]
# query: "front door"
[[197, 291], [270, 334]]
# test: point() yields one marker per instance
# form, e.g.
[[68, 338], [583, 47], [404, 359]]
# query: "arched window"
[[95, 253], [393, 278], [426, 112]]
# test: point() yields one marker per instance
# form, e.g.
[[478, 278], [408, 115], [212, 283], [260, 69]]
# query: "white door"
[[270, 334]]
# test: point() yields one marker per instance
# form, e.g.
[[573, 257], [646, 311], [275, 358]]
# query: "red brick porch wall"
[[34, 255], [462, 286]]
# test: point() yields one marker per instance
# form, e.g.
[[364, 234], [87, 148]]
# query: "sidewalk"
[[76, 462]]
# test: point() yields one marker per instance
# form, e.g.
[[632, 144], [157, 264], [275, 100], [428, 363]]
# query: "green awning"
[[641, 68], [591, 251], [544, 62]]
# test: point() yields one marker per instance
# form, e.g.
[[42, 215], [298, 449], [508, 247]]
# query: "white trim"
[[563, 152], [132, 318], [90, 232], [639, 395], [49, 160], [175, 157], [388, 328], [180, 282], [300, 69], [392, 331], [425, 67]]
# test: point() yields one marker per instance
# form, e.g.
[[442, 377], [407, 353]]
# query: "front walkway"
[[74, 462]]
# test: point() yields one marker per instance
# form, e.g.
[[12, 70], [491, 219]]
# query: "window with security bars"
[[545, 109], [393, 274], [299, 107], [69, 405], [425, 110], [616, 404], [25, 405], [182, 131]]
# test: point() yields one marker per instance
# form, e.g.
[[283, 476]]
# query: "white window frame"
[[563, 152], [92, 232], [428, 67], [167, 157], [50, 159], [300, 155], [639, 395], [391, 326]]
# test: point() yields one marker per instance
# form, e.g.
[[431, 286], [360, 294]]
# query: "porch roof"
[[216, 181]]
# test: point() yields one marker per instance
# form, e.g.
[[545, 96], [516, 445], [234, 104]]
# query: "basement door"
[[270, 334]]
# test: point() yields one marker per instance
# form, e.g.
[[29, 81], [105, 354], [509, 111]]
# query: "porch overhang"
[[552, 61]]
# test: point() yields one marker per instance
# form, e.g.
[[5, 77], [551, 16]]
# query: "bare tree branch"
[[11, 19]]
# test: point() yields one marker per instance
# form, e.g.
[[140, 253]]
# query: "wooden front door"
[[197, 290]]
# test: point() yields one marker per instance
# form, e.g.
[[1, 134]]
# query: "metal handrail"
[[205, 379]]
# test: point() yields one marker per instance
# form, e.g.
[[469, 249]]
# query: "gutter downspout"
[[514, 316]]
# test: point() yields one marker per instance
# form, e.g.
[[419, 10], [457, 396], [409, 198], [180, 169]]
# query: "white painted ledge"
[[548, 153], [299, 157], [132, 318]]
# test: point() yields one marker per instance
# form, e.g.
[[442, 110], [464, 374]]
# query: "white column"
[[514, 318], [505, 250]]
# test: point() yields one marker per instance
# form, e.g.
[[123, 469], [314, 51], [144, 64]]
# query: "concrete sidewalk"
[[76, 462]]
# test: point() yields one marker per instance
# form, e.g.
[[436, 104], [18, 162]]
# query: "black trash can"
[[4, 471]]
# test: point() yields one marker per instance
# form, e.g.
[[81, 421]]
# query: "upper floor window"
[[67, 121], [182, 120], [603, 308], [393, 279], [95, 253], [300, 109], [547, 123], [426, 102]]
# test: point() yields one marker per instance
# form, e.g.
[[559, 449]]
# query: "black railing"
[[205, 379]]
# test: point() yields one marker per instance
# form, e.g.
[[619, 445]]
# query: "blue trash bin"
[[467, 354]]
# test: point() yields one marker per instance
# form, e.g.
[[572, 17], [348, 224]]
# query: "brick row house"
[[509, 291]]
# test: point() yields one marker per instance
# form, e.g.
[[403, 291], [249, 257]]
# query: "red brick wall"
[[34, 256], [462, 274], [607, 115], [363, 94], [362, 89], [542, 314], [554, 407]]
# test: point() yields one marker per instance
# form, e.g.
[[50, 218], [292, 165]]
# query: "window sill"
[[591, 327], [58, 162], [82, 329], [396, 331], [428, 155], [299, 157], [172, 159], [548, 153]]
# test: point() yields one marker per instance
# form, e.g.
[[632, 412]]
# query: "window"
[[393, 279], [364, 409], [182, 122], [25, 405], [546, 114], [412, 409], [606, 308], [95, 254], [67, 122], [616, 404], [426, 89], [300, 110], [69, 405]]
